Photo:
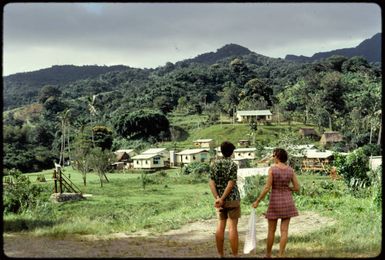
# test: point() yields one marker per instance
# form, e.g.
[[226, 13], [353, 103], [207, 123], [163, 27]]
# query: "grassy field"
[[170, 200]]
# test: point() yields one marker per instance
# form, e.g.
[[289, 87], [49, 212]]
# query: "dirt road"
[[192, 240]]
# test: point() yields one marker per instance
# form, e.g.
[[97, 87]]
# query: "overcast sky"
[[39, 35]]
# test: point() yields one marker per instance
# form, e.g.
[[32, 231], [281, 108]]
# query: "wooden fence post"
[[55, 180]]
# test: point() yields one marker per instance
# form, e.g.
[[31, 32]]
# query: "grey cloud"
[[189, 27]]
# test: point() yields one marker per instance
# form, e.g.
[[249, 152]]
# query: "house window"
[[186, 157], [239, 154], [146, 162], [193, 157], [137, 161], [249, 154], [156, 160]]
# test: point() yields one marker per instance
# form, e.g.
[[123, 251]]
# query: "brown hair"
[[280, 154], [227, 148]]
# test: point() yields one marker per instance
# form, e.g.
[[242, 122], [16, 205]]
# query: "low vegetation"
[[172, 199]]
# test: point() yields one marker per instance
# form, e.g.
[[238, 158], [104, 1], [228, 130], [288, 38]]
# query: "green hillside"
[[197, 128]]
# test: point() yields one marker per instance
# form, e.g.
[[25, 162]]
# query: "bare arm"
[[213, 189], [266, 188]]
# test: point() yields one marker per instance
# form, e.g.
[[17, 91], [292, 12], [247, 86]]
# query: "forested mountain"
[[22, 88], [229, 50], [370, 49], [127, 107]]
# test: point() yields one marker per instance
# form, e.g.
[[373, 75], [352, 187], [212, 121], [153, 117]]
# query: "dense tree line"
[[336, 93]]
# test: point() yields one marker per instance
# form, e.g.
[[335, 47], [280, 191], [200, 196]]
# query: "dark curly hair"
[[227, 148], [280, 154]]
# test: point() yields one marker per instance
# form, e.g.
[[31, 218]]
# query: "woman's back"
[[281, 203], [281, 177]]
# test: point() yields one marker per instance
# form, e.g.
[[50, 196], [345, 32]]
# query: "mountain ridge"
[[370, 49]]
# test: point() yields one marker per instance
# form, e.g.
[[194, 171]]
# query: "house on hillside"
[[148, 161], [204, 143], [308, 132], [244, 143], [330, 137], [192, 155], [257, 115], [245, 153]]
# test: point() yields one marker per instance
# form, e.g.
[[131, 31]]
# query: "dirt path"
[[193, 240]]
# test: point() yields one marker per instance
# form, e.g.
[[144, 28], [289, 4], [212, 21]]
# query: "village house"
[[330, 137], [203, 143], [257, 115], [315, 160], [148, 161], [192, 155], [244, 143], [308, 132], [123, 158], [245, 153], [160, 151]]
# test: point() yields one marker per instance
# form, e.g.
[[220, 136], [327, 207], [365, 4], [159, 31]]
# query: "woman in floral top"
[[223, 185]]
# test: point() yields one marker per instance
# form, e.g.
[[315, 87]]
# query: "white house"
[[160, 151], [245, 153], [192, 155], [203, 143], [247, 115], [148, 161]]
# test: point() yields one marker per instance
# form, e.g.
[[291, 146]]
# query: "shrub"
[[353, 167], [196, 168], [20, 195]]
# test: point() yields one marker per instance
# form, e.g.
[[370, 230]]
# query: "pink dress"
[[281, 204]]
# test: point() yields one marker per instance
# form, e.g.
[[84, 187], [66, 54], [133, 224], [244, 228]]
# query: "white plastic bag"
[[250, 238]]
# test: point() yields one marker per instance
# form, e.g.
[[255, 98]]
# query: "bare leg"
[[233, 235], [220, 236], [272, 225], [284, 235]]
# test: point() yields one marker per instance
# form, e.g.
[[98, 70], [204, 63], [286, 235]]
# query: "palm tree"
[[93, 113], [64, 126]]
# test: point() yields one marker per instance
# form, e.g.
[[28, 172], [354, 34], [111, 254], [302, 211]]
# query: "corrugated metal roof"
[[154, 150], [124, 151], [203, 140], [145, 156], [250, 149], [254, 113], [191, 151]]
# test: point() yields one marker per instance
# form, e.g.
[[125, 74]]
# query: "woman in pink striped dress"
[[281, 204]]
